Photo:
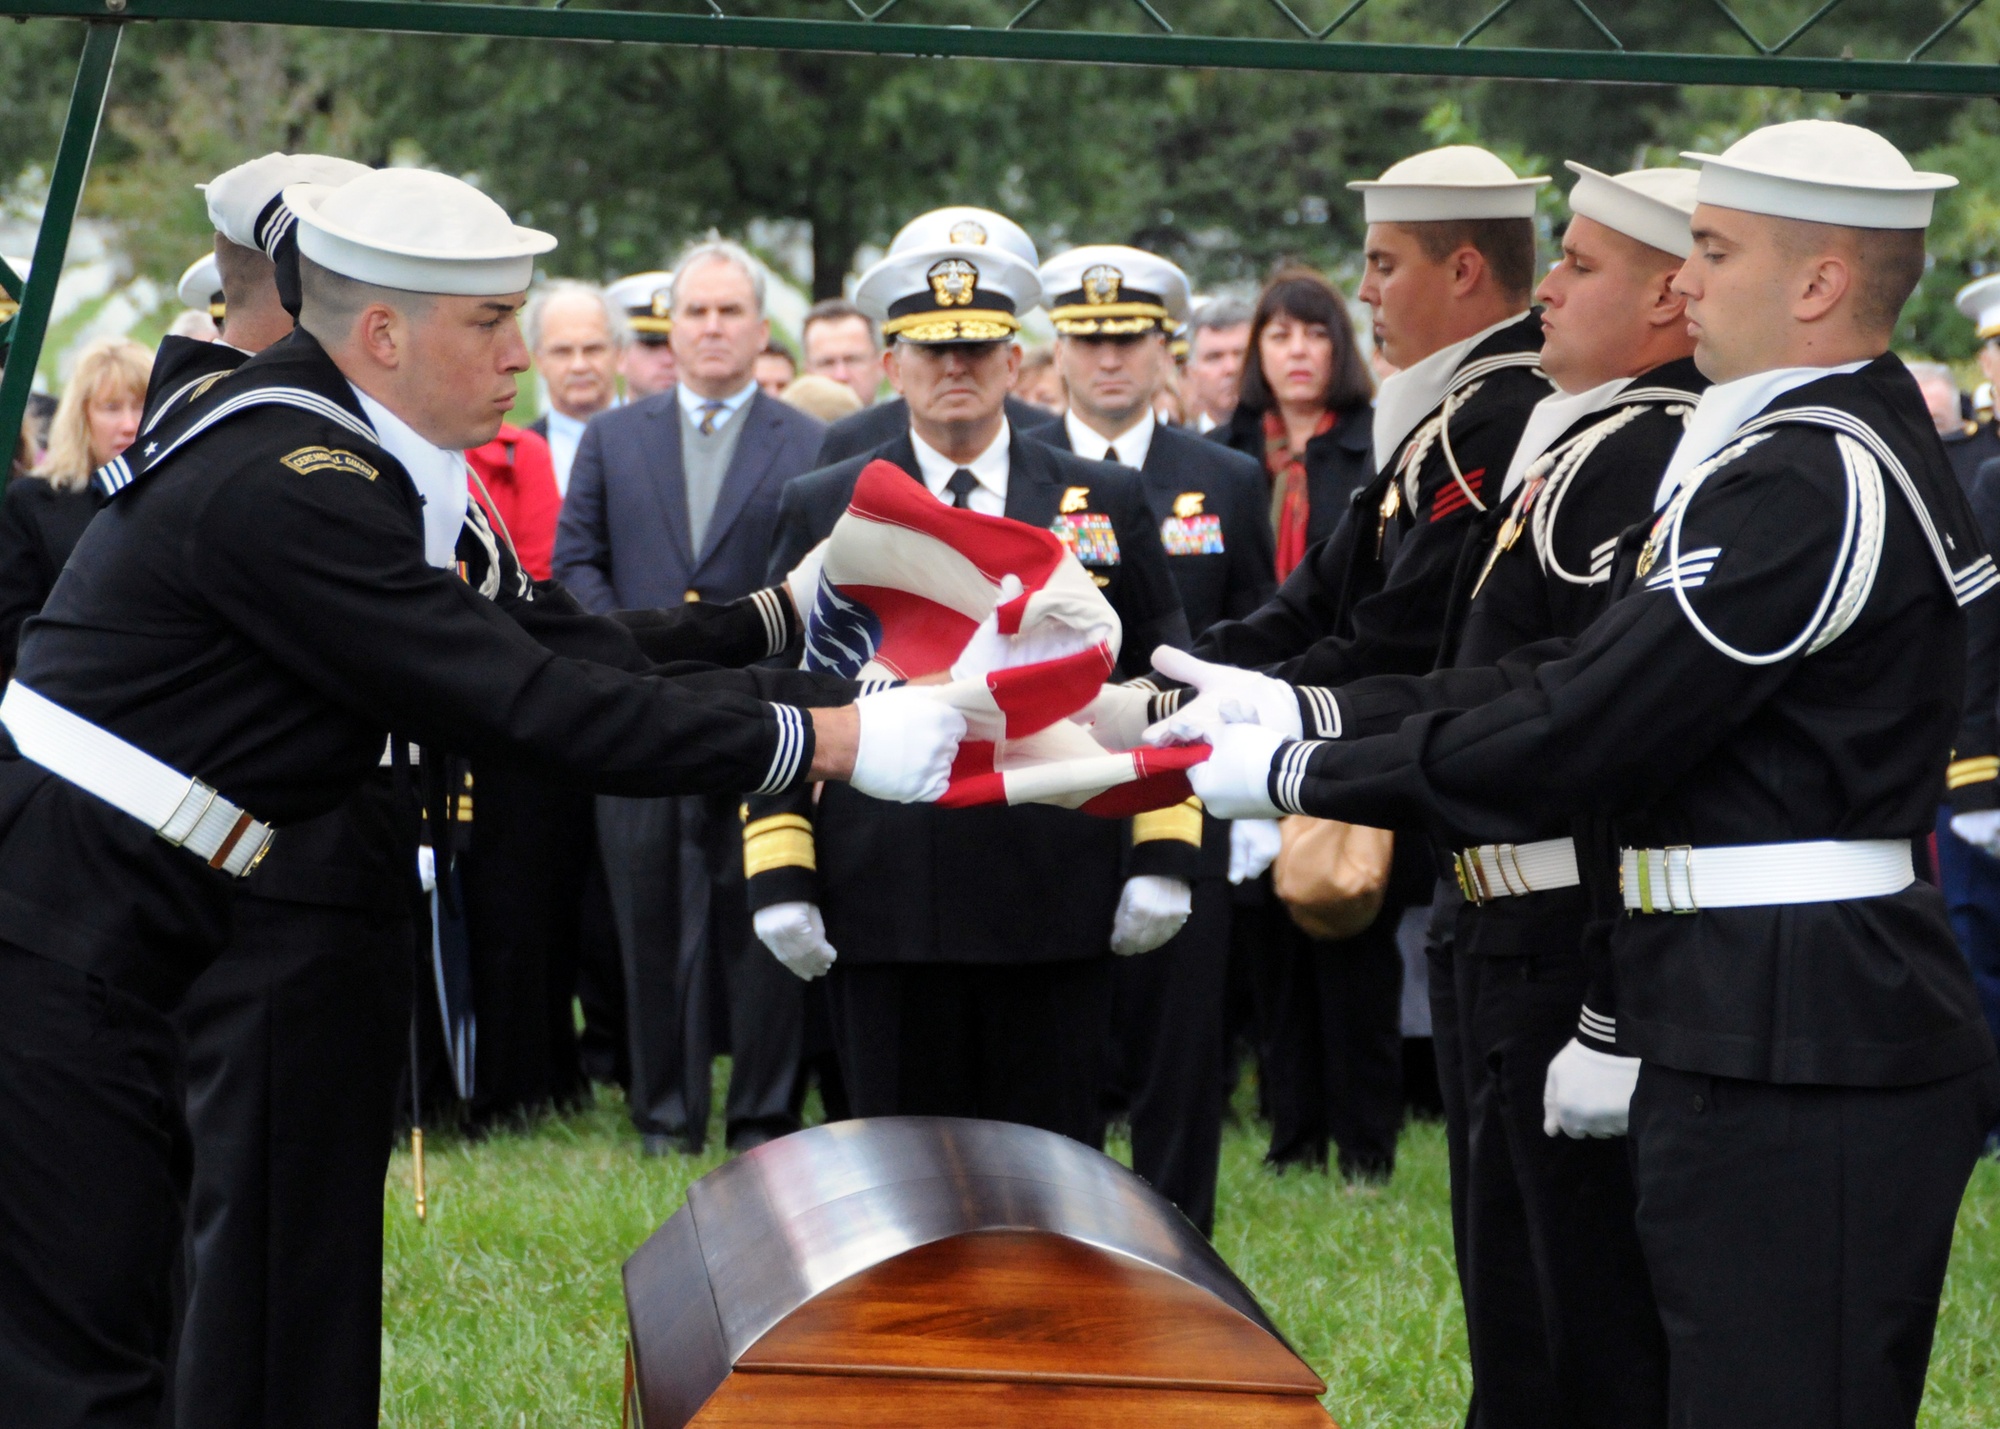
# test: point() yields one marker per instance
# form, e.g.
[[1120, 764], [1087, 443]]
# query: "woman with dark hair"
[[1303, 409]]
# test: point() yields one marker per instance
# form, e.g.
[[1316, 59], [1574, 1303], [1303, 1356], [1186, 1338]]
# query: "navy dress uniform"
[[256, 605], [1763, 714], [1209, 502], [973, 971]]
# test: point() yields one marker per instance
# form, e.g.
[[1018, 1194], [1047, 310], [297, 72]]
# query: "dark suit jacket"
[[869, 428], [39, 527], [1337, 464], [540, 426], [904, 883], [622, 543]]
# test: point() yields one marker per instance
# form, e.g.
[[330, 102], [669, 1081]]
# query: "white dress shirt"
[[692, 402], [1204, 424], [437, 472], [564, 434], [989, 469], [1131, 448]]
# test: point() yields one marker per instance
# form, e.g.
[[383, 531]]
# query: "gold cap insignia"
[[1101, 285], [1075, 498], [1188, 503], [968, 231], [663, 302], [954, 283]]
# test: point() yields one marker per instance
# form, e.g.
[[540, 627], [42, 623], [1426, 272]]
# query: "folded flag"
[[905, 584]]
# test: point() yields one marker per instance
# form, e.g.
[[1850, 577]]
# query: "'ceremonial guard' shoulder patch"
[[1089, 536], [1192, 535], [307, 460]]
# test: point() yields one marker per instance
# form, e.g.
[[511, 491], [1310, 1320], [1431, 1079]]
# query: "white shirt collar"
[[1414, 393], [1725, 407], [692, 401], [438, 473], [1551, 417], [989, 468], [1204, 424], [1131, 447]]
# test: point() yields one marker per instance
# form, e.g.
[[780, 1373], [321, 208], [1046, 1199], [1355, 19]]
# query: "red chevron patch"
[[1451, 496]]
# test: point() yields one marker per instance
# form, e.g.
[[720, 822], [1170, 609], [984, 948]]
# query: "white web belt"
[[1687, 880], [181, 810], [1509, 870]]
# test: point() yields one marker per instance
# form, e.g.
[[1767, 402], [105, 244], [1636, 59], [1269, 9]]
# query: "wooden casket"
[[923, 1271]]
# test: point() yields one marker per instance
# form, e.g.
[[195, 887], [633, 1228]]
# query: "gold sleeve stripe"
[[1182, 821], [759, 827], [1972, 771], [781, 848]]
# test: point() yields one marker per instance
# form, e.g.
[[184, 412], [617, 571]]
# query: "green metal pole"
[[79, 137]]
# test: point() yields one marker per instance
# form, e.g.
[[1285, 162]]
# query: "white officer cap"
[[1457, 181], [648, 303], [1107, 289], [1651, 205], [243, 202], [965, 227], [1821, 172], [418, 231], [1980, 301], [952, 293], [200, 287]]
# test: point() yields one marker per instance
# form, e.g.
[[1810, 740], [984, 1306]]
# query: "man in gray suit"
[[672, 499]]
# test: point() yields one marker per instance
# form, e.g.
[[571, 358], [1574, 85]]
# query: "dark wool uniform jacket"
[[256, 611], [1643, 722], [907, 883], [1339, 463]]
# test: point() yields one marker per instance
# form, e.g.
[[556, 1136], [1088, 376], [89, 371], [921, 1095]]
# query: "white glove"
[[908, 740], [1234, 782], [1116, 719], [1588, 1093], [1253, 847], [796, 936], [1150, 910], [802, 580], [988, 650], [1981, 830], [427, 868], [1224, 695]]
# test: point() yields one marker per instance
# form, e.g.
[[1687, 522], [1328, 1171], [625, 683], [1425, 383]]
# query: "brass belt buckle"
[[1467, 880]]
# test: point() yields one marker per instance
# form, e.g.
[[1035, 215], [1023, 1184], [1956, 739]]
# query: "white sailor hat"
[[244, 203], [200, 287], [1651, 205], [1107, 289], [648, 301], [965, 227], [951, 293], [1821, 172], [1980, 301], [418, 231], [1457, 181]]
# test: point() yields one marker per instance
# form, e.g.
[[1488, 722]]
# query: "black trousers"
[[674, 869], [1168, 1028], [295, 1040], [1797, 1238], [524, 875], [1017, 1042], [1563, 1329], [93, 1179], [1336, 1052]]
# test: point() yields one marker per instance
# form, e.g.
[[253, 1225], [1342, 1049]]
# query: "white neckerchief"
[[1131, 447], [1413, 394], [437, 472], [989, 469], [1725, 407], [564, 433], [1551, 417]]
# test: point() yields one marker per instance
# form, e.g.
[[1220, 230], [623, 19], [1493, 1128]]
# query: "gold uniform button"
[[692, 594]]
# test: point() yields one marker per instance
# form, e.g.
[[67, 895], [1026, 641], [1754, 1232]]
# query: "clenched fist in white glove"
[[1981, 829], [988, 650], [1234, 782], [1150, 910], [796, 936], [1253, 847], [1588, 1093], [1223, 695], [1117, 718], [907, 742], [802, 581]]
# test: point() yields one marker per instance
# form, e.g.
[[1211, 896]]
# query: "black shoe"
[[654, 1143]]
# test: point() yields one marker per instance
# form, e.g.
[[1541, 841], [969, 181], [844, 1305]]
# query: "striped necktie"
[[711, 411]]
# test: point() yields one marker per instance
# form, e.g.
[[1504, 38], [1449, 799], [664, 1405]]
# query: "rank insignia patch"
[[1089, 536], [1192, 535], [1188, 503], [1074, 498], [307, 460], [201, 389]]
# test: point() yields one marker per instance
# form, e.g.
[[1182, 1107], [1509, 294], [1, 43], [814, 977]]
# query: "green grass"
[[504, 1309]]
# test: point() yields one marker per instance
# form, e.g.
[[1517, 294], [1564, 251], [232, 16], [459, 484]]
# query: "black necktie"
[[1111, 455], [960, 486]]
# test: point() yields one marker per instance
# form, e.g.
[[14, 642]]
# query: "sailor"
[[647, 361], [1977, 439], [200, 289], [262, 604], [1114, 309], [1764, 715], [974, 945]]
